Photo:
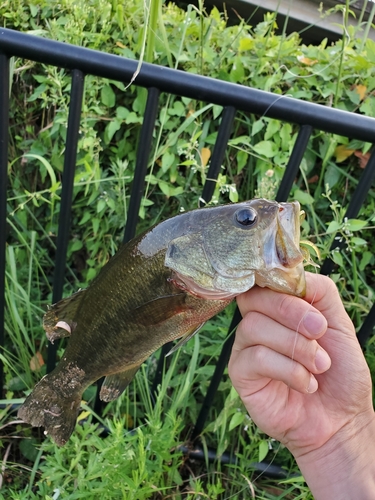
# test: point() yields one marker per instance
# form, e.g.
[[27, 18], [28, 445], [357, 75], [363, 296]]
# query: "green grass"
[[140, 457]]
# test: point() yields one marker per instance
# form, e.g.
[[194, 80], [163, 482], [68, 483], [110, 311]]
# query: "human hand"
[[300, 371]]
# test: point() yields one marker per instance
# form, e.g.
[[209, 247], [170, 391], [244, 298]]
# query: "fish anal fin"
[[58, 322], [114, 385], [161, 309], [185, 339]]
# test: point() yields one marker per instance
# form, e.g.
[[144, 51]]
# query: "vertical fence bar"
[[294, 162], [4, 126], [357, 200], [217, 376], [222, 138], [225, 129], [143, 155], [72, 134]]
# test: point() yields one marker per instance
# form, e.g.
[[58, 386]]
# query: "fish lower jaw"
[[290, 281]]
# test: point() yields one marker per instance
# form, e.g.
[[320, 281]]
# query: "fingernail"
[[322, 360], [314, 323], [313, 384]]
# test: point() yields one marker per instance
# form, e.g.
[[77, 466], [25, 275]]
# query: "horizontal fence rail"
[[157, 79], [185, 84]]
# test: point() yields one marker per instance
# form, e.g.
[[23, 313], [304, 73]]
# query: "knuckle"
[[286, 305], [258, 353], [250, 322], [304, 350], [298, 374], [329, 283]]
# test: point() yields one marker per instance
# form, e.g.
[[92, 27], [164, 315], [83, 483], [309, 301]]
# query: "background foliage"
[[146, 458]]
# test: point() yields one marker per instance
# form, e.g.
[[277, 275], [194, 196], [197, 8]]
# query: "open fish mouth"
[[288, 235], [283, 256]]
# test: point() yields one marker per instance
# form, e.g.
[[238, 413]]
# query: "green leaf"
[[122, 113], [242, 139], [133, 118], [175, 191], [76, 245], [28, 448], [303, 197], [356, 224], [233, 194], [273, 128], [111, 129], [46, 165], [257, 126], [33, 10], [216, 111], [237, 73], [334, 226], [86, 217], [368, 106], [167, 160], [236, 420], [178, 109], [108, 97], [370, 50], [292, 480], [353, 96], [337, 258], [358, 242], [37, 93], [266, 148], [367, 257], [246, 44], [332, 175], [17, 383], [286, 136], [262, 450], [242, 158], [95, 224], [165, 188], [101, 205]]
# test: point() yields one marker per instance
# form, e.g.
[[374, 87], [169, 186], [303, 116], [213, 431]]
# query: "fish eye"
[[245, 217]]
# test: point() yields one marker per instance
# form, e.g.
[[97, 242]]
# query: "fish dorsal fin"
[[158, 310], [115, 384], [185, 338], [58, 322]]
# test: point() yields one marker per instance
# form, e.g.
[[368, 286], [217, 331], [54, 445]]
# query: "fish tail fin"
[[45, 407]]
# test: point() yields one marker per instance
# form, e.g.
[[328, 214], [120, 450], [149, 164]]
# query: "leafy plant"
[[145, 458]]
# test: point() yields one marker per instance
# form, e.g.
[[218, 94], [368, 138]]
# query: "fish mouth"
[[283, 257], [288, 235]]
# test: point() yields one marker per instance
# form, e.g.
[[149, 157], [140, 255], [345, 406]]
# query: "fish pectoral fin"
[[114, 385], [159, 310], [58, 322], [185, 338]]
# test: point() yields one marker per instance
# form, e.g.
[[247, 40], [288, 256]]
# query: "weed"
[[140, 455]]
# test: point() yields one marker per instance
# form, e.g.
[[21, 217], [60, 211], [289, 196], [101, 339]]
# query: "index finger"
[[292, 312]]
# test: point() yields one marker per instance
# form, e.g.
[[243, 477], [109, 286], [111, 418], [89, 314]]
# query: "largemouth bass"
[[162, 285]]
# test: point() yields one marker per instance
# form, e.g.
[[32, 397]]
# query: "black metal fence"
[[156, 79]]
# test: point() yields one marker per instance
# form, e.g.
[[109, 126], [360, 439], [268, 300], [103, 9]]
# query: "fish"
[[162, 285]]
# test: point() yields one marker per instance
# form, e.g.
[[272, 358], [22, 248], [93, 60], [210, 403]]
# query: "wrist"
[[344, 467]]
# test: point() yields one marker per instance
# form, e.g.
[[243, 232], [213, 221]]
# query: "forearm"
[[344, 468]]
